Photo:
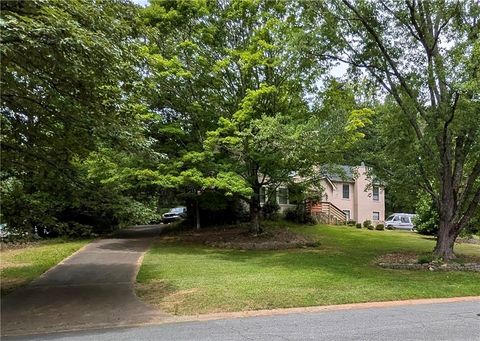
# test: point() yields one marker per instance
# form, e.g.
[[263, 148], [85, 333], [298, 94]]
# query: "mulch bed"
[[241, 239], [18, 245], [409, 261], [468, 241]]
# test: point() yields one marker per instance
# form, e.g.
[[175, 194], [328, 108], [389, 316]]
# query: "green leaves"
[[251, 102], [70, 91], [356, 120]]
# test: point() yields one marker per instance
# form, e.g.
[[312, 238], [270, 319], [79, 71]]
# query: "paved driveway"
[[91, 289]]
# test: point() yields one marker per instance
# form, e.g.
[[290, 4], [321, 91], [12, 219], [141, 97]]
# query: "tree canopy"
[[108, 107], [69, 92]]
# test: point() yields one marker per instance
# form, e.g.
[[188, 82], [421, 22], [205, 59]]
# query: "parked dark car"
[[177, 213]]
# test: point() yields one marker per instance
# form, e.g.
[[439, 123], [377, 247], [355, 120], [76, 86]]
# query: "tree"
[[247, 122], [69, 93], [186, 98], [426, 56], [389, 148]]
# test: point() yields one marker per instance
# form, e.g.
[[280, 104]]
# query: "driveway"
[[91, 289]]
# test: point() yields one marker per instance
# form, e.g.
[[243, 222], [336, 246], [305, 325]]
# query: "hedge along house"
[[348, 193]]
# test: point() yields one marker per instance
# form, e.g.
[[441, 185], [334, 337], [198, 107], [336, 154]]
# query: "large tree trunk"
[[447, 235], [447, 228], [255, 211], [197, 213], [254, 217], [446, 204]]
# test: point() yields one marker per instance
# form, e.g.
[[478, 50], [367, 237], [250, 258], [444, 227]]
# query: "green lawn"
[[190, 279], [21, 265]]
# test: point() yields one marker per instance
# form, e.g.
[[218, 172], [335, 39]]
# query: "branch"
[[472, 208], [469, 184], [386, 55], [427, 185], [410, 29]]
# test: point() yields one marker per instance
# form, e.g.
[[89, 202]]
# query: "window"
[[376, 193], [376, 216], [405, 219], [282, 196], [346, 191], [347, 214], [262, 195]]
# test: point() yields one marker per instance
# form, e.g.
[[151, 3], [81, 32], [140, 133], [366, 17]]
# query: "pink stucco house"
[[355, 193], [348, 193]]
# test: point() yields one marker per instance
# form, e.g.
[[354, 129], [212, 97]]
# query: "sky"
[[140, 2]]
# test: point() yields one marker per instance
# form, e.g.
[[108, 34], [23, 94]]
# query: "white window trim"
[[349, 192], [278, 196], [373, 193]]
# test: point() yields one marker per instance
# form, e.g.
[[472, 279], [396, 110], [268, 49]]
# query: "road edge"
[[256, 313]]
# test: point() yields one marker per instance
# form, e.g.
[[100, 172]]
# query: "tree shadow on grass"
[[302, 260]]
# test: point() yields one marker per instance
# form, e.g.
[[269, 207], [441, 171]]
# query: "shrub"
[[424, 259], [370, 227], [299, 215], [426, 221], [367, 223], [351, 222], [291, 215], [359, 226], [270, 210], [88, 209], [380, 227]]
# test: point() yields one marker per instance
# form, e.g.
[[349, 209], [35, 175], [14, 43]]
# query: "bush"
[[424, 259], [215, 210], [380, 227], [426, 221], [270, 210], [367, 223], [370, 227], [89, 209], [351, 222], [298, 215], [359, 226], [291, 215]]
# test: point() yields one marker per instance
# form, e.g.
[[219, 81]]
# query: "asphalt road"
[[442, 321]]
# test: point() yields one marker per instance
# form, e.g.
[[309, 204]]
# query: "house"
[[355, 193], [348, 193]]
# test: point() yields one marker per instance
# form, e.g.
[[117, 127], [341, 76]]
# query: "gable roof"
[[344, 173], [338, 173]]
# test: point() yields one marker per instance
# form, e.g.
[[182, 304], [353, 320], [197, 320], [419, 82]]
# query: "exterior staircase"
[[327, 213]]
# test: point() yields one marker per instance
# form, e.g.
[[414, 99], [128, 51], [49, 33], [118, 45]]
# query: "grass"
[[191, 279], [19, 266]]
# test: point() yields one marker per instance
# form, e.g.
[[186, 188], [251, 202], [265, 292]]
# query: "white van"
[[400, 221]]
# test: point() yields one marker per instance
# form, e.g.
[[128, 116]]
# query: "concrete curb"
[[255, 313], [325, 308]]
